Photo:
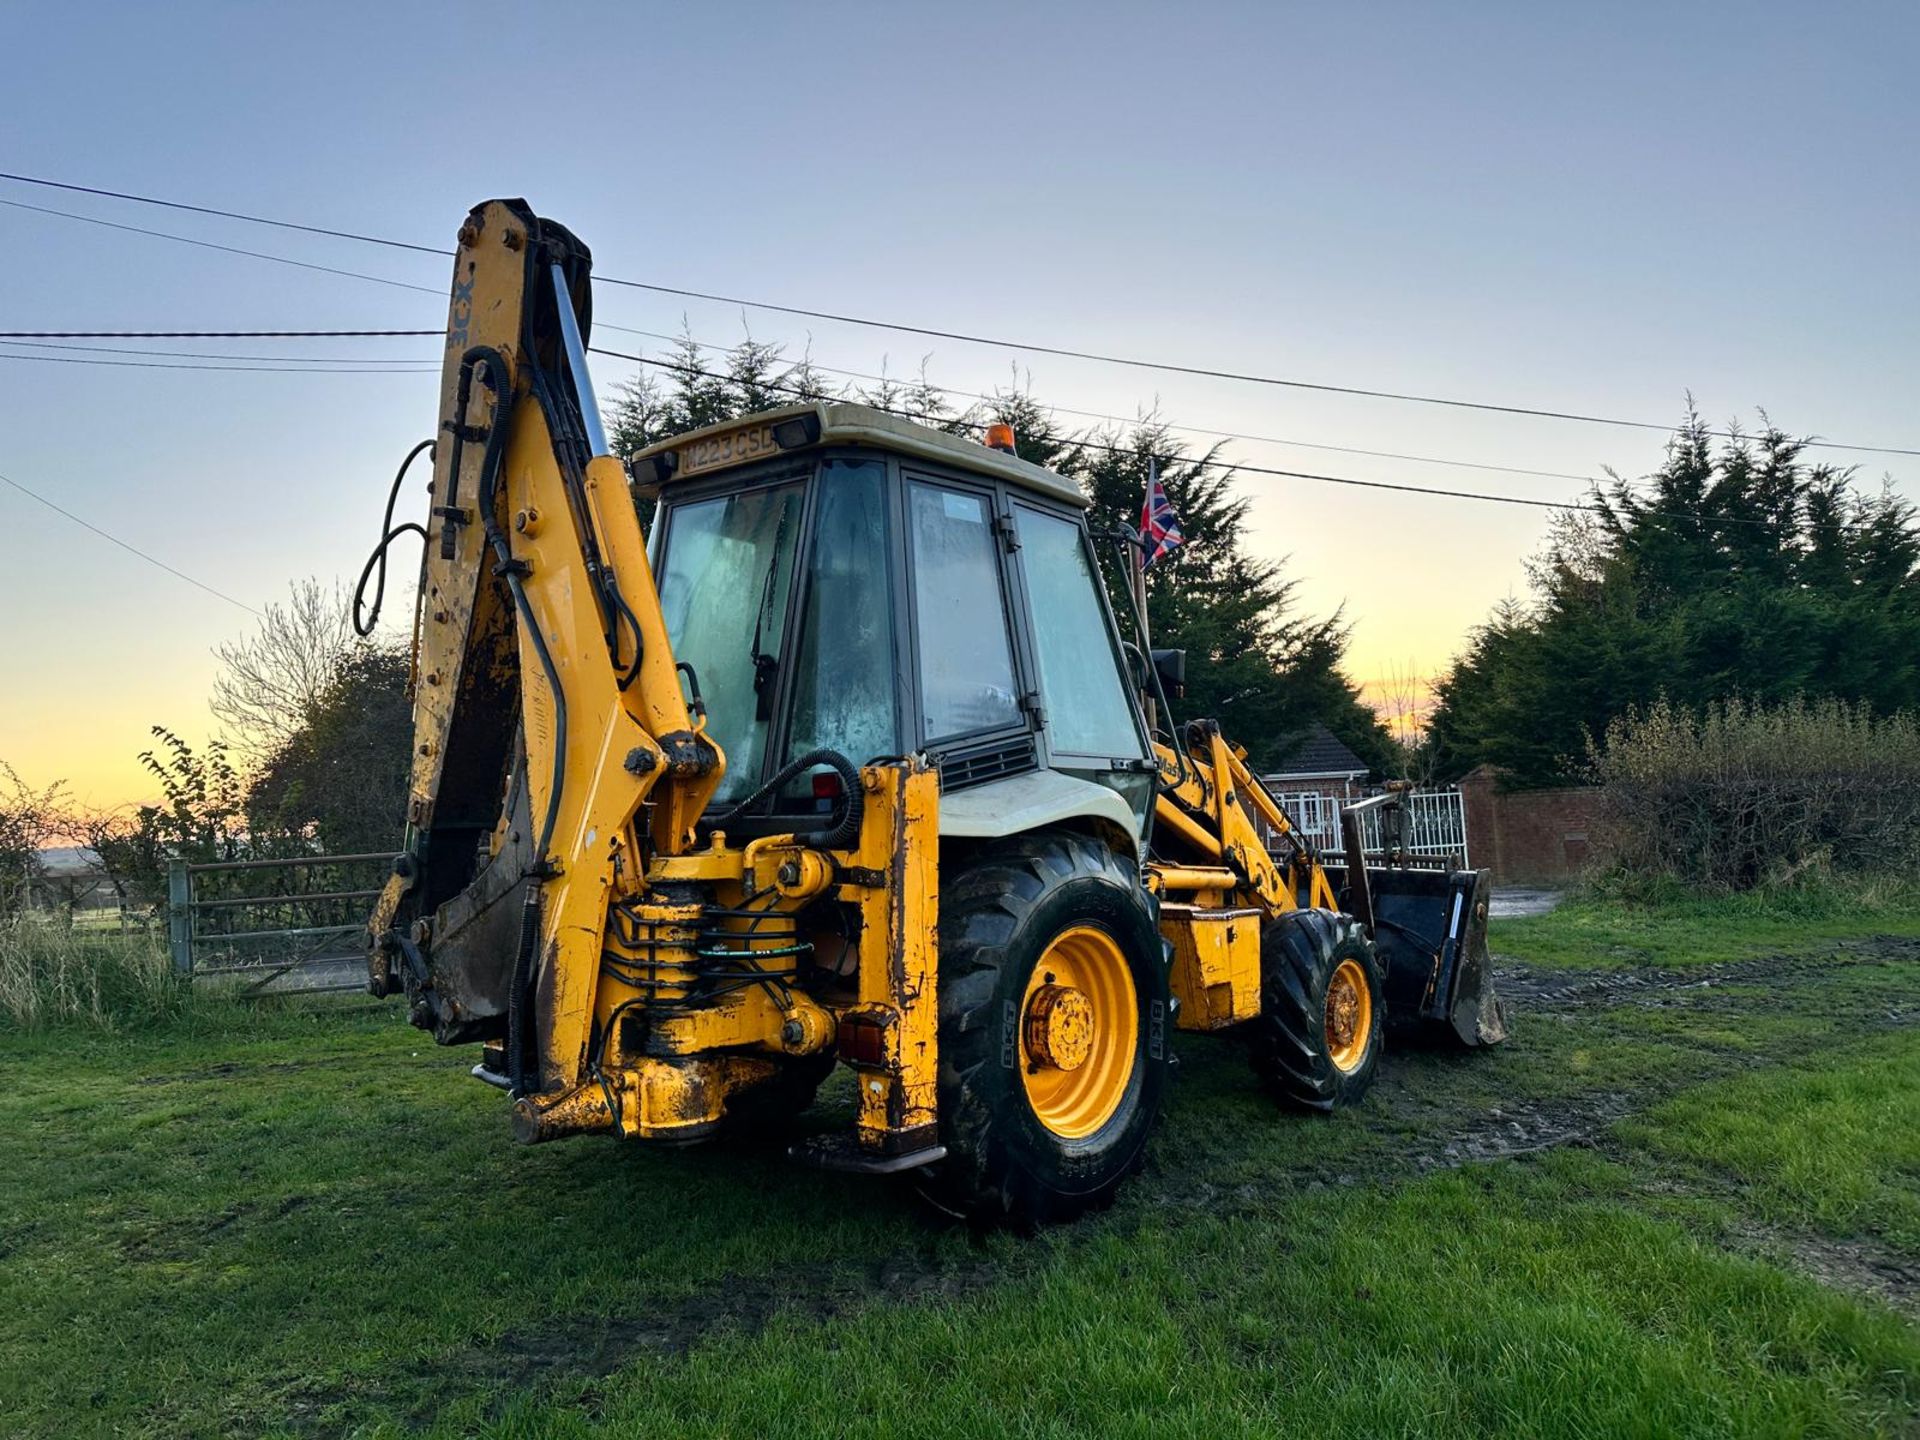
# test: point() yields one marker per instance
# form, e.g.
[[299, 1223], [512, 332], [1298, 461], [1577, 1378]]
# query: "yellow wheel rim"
[[1079, 1029], [1349, 1016]]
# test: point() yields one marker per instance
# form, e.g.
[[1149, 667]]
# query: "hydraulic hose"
[[519, 992], [365, 616], [568, 441], [495, 379], [845, 829], [520, 985]]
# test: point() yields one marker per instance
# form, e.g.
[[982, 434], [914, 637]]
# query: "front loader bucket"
[[1430, 931]]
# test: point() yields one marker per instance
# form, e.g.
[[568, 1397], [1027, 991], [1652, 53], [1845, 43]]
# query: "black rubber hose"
[[552, 817], [632, 672], [520, 985], [519, 993], [844, 830], [389, 533], [496, 381]]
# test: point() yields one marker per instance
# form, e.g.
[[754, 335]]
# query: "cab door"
[[1093, 725]]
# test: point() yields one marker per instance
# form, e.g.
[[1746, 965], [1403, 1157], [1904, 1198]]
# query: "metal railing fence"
[[294, 926], [1434, 823]]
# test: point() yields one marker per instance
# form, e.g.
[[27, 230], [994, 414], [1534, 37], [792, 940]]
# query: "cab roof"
[[810, 426]]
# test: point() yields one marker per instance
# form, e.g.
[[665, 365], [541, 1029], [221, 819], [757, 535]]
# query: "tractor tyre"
[[1054, 1045], [1316, 1042]]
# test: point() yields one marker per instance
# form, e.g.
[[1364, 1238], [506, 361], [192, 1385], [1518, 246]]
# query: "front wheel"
[[1316, 1042], [1053, 1019]]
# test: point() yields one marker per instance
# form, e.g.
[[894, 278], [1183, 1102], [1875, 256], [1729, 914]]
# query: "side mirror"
[[1171, 667]]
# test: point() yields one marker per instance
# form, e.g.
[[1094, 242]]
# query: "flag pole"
[[1139, 576], [1139, 581]]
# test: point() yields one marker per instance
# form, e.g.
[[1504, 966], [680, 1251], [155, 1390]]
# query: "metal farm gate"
[[1435, 823], [275, 927]]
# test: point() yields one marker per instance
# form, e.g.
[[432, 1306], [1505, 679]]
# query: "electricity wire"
[[600, 324], [237, 369], [214, 355], [228, 249], [682, 367], [1231, 466], [836, 317], [206, 334], [86, 524], [223, 214]]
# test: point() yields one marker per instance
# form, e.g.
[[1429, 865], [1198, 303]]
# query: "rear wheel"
[[1316, 1043], [1053, 1044]]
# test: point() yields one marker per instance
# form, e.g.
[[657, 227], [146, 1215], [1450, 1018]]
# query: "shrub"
[[1739, 796]]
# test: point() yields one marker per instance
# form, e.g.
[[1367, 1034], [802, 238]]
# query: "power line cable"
[[227, 249], [9, 335], [207, 334], [234, 369], [215, 355], [1230, 466], [679, 366], [223, 214], [130, 549], [1206, 372], [672, 365], [1237, 467], [931, 332], [1138, 420]]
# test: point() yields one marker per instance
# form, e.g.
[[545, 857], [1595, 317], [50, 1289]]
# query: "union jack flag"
[[1159, 526]]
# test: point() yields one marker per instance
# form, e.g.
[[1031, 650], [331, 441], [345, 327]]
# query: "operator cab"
[[835, 577]]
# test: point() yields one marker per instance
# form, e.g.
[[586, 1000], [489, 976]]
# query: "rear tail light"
[[863, 1040]]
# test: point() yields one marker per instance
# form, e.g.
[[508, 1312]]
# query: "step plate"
[[842, 1152]]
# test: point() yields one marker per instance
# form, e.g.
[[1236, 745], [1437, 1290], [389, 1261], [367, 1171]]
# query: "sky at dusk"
[[1598, 209]]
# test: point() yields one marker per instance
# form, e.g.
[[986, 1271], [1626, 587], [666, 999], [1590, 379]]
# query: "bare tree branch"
[[269, 681]]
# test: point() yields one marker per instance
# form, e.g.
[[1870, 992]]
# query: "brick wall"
[[1526, 837]]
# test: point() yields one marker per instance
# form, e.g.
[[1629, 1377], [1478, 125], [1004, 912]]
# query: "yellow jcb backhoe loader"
[[853, 766]]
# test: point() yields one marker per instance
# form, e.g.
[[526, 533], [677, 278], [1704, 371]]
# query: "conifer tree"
[[1737, 570]]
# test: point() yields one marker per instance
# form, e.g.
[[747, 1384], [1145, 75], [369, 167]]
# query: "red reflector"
[[826, 785], [862, 1042]]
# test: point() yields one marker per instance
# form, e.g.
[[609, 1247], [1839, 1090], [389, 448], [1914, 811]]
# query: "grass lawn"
[[1665, 1208], [1685, 931]]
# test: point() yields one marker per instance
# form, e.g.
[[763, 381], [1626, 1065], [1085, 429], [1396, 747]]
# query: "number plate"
[[736, 447]]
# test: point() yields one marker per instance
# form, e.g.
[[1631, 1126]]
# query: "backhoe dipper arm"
[[537, 605], [559, 897]]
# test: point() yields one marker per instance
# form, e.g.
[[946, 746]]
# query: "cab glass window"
[[844, 695], [724, 586], [966, 661], [1081, 687]]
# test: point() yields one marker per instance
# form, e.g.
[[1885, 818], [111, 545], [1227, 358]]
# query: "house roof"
[[1319, 753]]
